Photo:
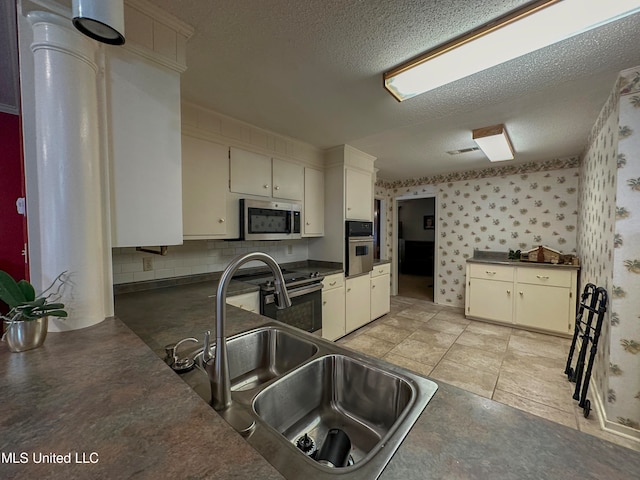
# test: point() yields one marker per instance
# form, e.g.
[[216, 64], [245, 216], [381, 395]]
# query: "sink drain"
[[307, 445]]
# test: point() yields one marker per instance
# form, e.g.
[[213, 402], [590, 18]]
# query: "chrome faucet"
[[218, 369]]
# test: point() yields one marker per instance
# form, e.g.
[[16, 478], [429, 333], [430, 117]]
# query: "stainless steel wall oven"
[[359, 248]]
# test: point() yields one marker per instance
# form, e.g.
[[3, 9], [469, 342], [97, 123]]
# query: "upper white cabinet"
[[208, 210], [313, 203], [143, 102], [250, 173], [358, 195], [256, 174], [288, 180]]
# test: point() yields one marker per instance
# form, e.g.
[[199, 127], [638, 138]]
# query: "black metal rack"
[[594, 301]]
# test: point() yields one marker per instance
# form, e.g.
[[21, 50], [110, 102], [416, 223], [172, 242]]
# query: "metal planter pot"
[[25, 335]]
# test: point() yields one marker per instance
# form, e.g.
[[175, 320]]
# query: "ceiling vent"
[[463, 150]]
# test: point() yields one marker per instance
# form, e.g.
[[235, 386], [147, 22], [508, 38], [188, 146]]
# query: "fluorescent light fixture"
[[536, 25], [494, 142], [102, 20]]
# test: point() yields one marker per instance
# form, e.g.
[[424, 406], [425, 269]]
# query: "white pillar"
[[71, 235]]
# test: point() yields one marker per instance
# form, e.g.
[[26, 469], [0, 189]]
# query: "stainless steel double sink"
[[292, 383]]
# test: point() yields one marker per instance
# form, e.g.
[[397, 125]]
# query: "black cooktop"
[[291, 278]]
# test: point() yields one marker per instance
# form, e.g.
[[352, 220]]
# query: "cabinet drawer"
[[491, 272], [544, 276], [333, 281], [384, 269]]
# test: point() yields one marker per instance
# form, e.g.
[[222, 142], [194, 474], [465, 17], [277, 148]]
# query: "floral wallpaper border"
[[524, 168]]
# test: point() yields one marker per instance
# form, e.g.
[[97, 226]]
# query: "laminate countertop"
[[105, 394]]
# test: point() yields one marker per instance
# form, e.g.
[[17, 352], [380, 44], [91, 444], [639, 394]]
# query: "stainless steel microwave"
[[263, 220]]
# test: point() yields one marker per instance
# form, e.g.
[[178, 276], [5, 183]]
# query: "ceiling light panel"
[[535, 26], [494, 142]]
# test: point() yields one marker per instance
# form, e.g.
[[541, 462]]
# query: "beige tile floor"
[[515, 367]]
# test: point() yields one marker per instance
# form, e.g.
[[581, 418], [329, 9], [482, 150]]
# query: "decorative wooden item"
[[541, 254]]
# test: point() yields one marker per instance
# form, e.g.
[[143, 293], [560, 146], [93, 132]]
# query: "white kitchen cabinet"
[[207, 210], [333, 307], [357, 302], [250, 173], [380, 290], [546, 299], [490, 292], [256, 174], [288, 180], [533, 297], [313, 203], [358, 195], [246, 301], [143, 105]]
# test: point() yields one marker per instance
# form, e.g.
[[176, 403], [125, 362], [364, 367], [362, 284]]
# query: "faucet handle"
[[206, 353]]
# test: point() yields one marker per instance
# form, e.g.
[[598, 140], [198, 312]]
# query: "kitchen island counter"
[[101, 389]]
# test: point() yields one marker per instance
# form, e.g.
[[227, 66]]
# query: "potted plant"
[[27, 322]]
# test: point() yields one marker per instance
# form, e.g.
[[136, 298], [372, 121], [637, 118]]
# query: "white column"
[[71, 236]]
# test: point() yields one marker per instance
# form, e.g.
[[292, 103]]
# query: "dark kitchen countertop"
[[101, 389], [520, 263]]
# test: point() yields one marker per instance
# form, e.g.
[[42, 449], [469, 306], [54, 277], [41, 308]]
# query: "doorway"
[[416, 248]]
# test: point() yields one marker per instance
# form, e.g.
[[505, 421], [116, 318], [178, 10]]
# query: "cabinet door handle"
[[542, 277], [522, 293], [221, 220], [308, 223], [324, 303], [490, 273], [333, 283], [372, 287], [380, 271], [348, 208], [348, 289], [266, 186], [508, 292], [277, 187]]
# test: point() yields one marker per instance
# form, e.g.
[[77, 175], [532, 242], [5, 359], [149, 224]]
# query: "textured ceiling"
[[312, 70]]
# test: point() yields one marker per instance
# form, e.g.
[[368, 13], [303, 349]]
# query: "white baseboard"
[[606, 424]]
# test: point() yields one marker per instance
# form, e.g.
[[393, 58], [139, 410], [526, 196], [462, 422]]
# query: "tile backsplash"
[[199, 256]]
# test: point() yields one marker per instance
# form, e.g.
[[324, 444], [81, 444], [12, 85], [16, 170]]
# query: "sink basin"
[[286, 382], [336, 391], [260, 355]]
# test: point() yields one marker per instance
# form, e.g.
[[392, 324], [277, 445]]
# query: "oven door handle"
[[295, 292]]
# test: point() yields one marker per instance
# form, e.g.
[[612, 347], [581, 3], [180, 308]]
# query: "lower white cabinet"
[[536, 297], [246, 301], [333, 307], [380, 291], [357, 302], [546, 299]]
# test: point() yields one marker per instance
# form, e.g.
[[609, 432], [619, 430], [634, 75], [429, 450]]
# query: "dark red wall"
[[12, 224]]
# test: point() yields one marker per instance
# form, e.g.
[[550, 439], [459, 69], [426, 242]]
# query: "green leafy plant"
[[23, 302]]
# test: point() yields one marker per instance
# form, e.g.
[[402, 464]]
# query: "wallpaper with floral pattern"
[[596, 223], [491, 210], [624, 360]]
